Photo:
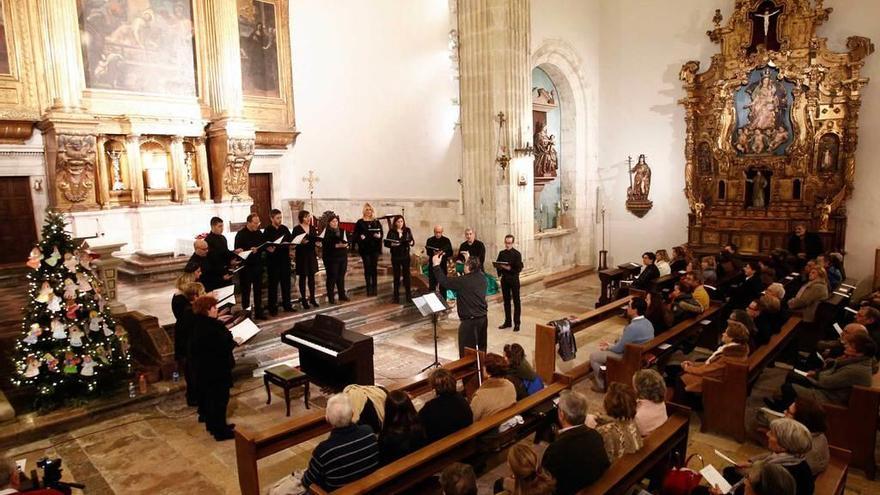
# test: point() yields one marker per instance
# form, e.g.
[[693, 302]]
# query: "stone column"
[[135, 174], [62, 52], [496, 77], [202, 165], [178, 165], [101, 173]]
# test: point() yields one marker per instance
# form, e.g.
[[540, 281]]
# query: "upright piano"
[[331, 355]]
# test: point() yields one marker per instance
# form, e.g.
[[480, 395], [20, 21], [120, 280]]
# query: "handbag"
[[680, 480]]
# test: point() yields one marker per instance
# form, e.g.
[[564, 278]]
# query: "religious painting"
[[144, 46], [258, 36], [765, 26], [828, 152], [4, 50], [763, 114]]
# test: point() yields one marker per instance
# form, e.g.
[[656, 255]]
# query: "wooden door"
[[17, 230], [260, 190]]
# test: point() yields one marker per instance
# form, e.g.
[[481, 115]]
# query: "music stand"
[[430, 304]]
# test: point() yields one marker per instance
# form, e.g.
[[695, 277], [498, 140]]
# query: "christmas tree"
[[70, 347]]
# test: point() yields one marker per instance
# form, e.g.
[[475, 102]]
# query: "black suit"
[[576, 459], [212, 352], [432, 245], [810, 244], [216, 263], [747, 292], [510, 283], [643, 281], [278, 267], [251, 276]]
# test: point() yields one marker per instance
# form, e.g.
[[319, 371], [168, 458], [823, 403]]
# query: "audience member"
[[529, 478], [402, 432], [810, 414], [11, 480], [577, 457], [833, 266], [709, 269], [658, 312], [458, 479], [776, 290], [649, 272], [681, 257], [620, 435], [734, 348], [212, 352], [519, 368], [789, 442], [496, 392], [682, 301], [650, 400], [750, 289], [729, 263], [639, 331], [771, 479], [870, 318], [367, 405], [348, 454], [695, 281], [662, 262], [449, 411], [804, 245], [835, 381], [810, 295], [764, 324]]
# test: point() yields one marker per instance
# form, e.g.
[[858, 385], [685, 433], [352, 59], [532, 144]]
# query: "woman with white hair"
[[789, 443], [348, 454]]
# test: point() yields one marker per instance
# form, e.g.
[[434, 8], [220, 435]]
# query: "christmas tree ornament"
[[54, 258], [33, 334], [70, 362], [72, 308], [35, 258], [58, 330], [69, 289], [76, 336], [102, 353], [82, 282], [94, 321], [32, 368], [70, 262], [51, 362], [54, 303], [45, 293], [88, 366]]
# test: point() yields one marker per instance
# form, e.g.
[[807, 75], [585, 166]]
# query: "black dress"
[[306, 263], [212, 352], [399, 244], [335, 262], [370, 248]]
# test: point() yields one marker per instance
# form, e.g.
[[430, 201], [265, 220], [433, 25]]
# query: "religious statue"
[[641, 181], [759, 185], [640, 186], [764, 27], [823, 209], [828, 149], [764, 131], [546, 160]]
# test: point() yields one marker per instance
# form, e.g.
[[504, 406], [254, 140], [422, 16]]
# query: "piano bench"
[[286, 377]]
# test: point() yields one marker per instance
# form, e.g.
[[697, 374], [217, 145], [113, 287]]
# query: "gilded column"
[[101, 171], [202, 164], [178, 165], [133, 154], [496, 77]]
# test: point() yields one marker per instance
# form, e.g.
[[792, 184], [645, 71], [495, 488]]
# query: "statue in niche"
[[641, 181], [704, 158], [546, 160], [829, 147], [823, 209], [765, 21], [757, 188]]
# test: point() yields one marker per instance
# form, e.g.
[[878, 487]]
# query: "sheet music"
[[727, 459], [298, 239], [851, 310], [223, 293], [322, 234], [841, 294], [244, 254], [244, 331], [848, 286], [278, 241], [838, 329], [799, 372], [771, 412], [434, 302], [714, 478]]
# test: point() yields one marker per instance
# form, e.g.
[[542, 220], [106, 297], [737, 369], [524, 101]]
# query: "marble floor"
[[161, 449]]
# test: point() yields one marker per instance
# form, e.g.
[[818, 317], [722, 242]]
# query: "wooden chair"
[[724, 400], [251, 445], [545, 335], [412, 469], [621, 369], [854, 426]]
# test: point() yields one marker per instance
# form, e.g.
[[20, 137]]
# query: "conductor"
[[470, 291]]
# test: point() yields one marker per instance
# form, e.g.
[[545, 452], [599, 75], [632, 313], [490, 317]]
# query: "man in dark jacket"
[[648, 273], [471, 304], [750, 289], [438, 243], [804, 245], [577, 457], [509, 267]]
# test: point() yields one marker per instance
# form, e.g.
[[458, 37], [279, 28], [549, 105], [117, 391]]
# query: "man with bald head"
[[438, 243], [211, 278]]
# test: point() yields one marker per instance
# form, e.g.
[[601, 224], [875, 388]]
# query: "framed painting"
[[258, 39], [142, 46], [763, 114], [4, 48]]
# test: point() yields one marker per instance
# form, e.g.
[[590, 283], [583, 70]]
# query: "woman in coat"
[[734, 348], [811, 294], [212, 352]]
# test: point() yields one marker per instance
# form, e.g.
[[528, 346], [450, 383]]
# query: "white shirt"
[[664, 268]]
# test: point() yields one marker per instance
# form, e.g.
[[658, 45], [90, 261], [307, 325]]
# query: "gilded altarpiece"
[[772, 128], [146, 102]]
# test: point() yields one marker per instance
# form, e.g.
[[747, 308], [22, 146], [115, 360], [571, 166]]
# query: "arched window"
[[547, 128]]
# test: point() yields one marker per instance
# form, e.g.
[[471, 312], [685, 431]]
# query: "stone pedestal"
[[106, 268]]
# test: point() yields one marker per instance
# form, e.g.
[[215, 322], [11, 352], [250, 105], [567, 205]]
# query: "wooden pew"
[[412, 469], [854, 426], [251, 445], [665, 283], [545, 335], [724, 400], [610, 279], [832, 481], [630, 469], [621, 369]]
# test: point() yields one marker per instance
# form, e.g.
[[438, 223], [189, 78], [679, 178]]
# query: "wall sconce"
[[38, 185], [501, 155]]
